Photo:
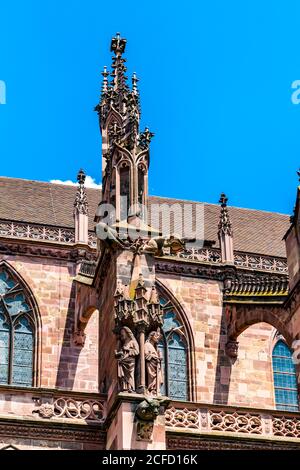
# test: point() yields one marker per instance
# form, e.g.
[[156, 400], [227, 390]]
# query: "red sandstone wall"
[[251, 378], [246, 383], [62, 364]]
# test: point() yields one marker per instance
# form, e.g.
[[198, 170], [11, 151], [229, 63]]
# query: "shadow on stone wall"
[[69, 354], [223, 369]]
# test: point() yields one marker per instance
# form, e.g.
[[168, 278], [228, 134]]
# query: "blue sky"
[[215, 83]]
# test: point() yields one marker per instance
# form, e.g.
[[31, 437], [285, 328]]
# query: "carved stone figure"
[[153, 363], [126, 360]]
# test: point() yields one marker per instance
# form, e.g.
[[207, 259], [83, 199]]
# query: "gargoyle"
[[148, 409], [156, 245]]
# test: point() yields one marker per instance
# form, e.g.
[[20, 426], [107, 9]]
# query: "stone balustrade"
[[209, 255], [18, 230], [230, 420], [54, 405]]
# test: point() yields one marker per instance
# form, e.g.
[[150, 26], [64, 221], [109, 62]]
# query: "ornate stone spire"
[[81, 209], [225, 232], [125, 150]]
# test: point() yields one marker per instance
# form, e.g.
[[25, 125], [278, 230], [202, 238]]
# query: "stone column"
[[81, 218]]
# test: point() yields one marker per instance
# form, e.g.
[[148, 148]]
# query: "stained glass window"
[[285, 381], [173, 351], [16, 333]]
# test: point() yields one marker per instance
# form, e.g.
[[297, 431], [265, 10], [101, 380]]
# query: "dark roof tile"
[[52, 204]]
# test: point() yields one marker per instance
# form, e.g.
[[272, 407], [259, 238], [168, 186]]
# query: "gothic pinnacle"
[[134, 83], [105, 74], [224, 222]]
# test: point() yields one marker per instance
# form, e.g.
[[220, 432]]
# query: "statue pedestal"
[[137, 422]]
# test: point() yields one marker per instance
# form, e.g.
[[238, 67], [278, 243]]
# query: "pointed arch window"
[[16, 332], [285, 380], [174, 352]]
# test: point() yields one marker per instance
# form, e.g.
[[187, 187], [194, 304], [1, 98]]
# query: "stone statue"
[[126, 359], [153, 363]]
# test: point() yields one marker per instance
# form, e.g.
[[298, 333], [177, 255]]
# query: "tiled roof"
[[52, 204], [42, 203]]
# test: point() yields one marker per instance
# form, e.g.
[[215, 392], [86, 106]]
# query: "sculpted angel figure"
[[126, 359]]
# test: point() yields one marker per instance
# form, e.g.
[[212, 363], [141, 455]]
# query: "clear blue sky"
[[215, 82]]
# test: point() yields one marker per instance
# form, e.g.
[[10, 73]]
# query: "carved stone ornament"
[[148, 409], [79, 338], [157, 245], [232, 349], [81, 202], [46, 410], [145, 414], [153, 363], [126, 358], [144, 431]]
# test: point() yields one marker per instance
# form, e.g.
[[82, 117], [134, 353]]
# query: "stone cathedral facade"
[[129, 321]]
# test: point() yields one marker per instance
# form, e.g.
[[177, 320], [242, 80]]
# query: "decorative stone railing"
[[52, 404], [41, 233], [267, 263], [210, 255], [243, 260], [224, 419]]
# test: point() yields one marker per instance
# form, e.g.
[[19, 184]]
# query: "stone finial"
[[118, 45], [81, 201], [145, 138]]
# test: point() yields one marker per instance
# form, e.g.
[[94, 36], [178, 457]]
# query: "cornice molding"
[[33, 249]]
